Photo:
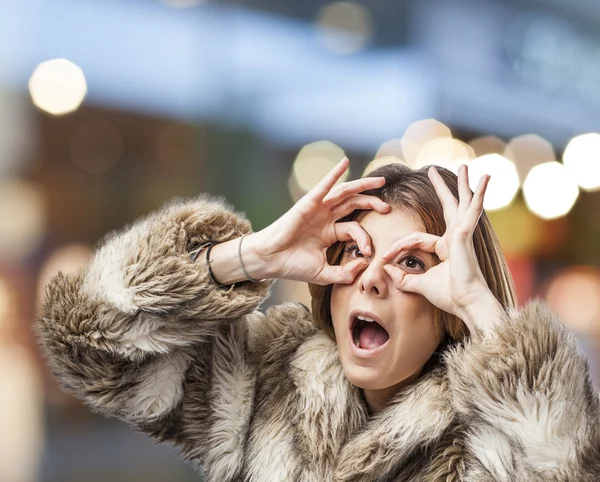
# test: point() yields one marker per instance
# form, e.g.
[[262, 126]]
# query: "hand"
[[294, 246], [456, 285]]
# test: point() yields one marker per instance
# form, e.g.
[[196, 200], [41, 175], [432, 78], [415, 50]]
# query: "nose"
[[373, 279]]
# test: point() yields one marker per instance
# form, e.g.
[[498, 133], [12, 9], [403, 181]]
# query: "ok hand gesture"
[[456, 285], [294, 246]]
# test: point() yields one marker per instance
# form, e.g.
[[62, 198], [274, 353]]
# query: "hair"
[[412, 191]]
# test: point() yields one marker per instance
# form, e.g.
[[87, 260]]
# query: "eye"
[[353, 251], [412, 264]]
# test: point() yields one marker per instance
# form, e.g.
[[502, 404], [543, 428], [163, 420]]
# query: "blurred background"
[[109, 108]]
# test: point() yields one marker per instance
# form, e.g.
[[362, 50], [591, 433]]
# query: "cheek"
[[416, 304], [338, 304], [420, 310]]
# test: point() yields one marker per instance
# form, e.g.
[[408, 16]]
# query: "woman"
[[416, 366]]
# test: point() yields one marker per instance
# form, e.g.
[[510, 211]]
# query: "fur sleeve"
[[147, 266], [144, 334], [528, 401]]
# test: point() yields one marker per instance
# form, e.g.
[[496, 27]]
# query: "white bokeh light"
[[393, 147], [527, 151], [420, 133], [549, 191], [314, 161], [445, 152], [504, 180], [582, 159], [57, 86], [382, 161]]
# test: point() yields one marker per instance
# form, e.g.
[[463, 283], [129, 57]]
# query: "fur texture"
[[145, 336]]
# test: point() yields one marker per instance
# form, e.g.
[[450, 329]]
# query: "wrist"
[[237, 260], [483, 313], [257, 261]]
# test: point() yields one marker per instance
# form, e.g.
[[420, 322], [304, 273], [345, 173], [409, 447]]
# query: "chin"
[[368, 378]]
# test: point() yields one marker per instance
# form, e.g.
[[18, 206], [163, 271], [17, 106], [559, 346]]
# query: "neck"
[[377, 400]]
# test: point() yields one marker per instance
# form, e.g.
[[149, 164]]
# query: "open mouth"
[[368, 334]]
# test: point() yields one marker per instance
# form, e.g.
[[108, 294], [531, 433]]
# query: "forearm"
[[229, 259]]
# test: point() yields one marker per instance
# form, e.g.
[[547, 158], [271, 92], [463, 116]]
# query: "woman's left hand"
[[456, 285]]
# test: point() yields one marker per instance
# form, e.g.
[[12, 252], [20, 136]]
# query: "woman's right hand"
[[294, 247]]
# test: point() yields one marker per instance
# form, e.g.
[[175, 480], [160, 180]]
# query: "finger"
[[476, 208], [360, 201], [417, 240], [464, 191], [324, 186], [352, 231], [402, 280], [343, 274], [347, 189], [449, 203]]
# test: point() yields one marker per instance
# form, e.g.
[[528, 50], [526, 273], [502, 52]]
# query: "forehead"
[[397, 223]]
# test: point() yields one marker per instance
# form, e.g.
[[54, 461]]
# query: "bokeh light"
[[445, 152], [296, 192], [504, 181], [22, 219], [574, 294], [382, 161], [418, 134], [57, 86], [549, 190], [96, 146], [582, 159], [527, 151], [67, 259], [487, 145], [343, 27], [314, 161], [393, 148]]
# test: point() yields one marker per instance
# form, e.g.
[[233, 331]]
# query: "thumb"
[[402, 280], [411, 283], [343, 274]]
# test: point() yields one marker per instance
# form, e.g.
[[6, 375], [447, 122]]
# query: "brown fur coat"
[[145, 336]]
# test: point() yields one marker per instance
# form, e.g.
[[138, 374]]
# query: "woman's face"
[[384, 336]]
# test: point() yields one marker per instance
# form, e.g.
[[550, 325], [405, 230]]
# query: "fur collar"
[[331, 419]]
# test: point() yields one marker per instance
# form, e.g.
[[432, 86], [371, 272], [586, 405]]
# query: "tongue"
[[373, 336]]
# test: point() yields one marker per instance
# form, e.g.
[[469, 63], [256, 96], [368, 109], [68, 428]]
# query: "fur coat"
[[144, 335]]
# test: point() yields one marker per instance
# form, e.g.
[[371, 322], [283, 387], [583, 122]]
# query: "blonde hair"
[[411, 190]]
